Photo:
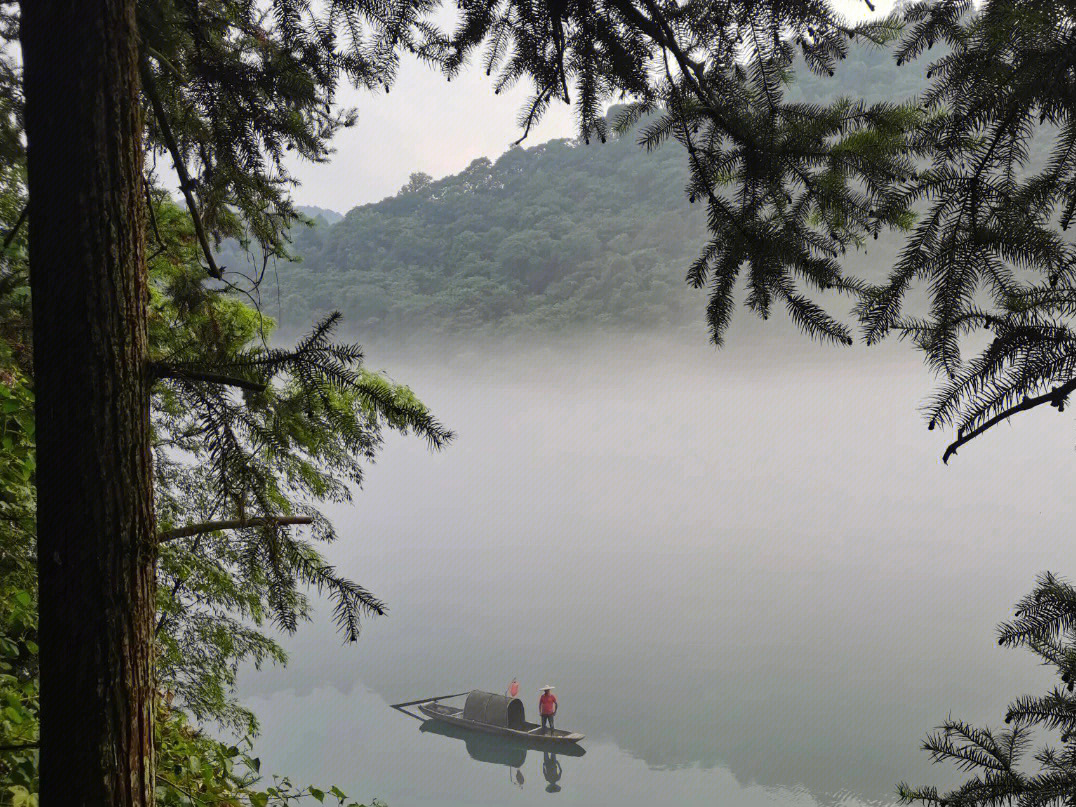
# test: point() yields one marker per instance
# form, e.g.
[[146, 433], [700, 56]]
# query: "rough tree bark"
[[96, 547]]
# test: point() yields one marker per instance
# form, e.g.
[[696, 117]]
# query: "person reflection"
[[552, 771]]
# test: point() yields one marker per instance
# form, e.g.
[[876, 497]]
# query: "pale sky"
[[428, 125]]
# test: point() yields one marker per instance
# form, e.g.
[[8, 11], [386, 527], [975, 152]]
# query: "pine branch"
[[185, 184], [658, 29], [1055, 397], [232, 524], [187, 374]]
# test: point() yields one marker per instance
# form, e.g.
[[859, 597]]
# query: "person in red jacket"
[[547, 707]]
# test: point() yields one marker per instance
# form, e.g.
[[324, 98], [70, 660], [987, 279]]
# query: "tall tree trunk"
[[96, 547]]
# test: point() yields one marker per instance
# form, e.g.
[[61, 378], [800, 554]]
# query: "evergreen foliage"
[[976, 170], [232, 86], [1045, 624], [552, 237], [995, 197], [229, 88], [298, 433], [787, 187]]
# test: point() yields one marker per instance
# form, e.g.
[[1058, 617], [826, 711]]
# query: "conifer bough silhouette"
[[1045, 624]]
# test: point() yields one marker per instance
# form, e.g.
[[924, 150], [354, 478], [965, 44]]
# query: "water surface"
[[747, 573]]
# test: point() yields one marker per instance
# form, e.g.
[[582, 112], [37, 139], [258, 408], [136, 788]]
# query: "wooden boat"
[[496, 714]]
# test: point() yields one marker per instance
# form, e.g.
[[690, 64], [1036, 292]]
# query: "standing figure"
[[547, 707]]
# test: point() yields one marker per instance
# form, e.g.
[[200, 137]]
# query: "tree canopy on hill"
[[553, 236]]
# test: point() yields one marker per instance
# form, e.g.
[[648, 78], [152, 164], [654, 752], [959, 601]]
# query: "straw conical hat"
[[546, 688]]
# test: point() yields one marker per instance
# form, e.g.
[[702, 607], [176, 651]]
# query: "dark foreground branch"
[[1055, 397], [232, 524], [185, 184], [189, 374]]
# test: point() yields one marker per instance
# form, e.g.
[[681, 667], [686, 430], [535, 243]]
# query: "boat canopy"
[[496, 710]]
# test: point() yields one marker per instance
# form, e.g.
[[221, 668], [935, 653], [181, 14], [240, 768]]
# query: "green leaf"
[[259, 799], [317, 794]]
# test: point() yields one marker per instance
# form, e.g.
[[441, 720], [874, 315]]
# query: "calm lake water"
[[747, 573]]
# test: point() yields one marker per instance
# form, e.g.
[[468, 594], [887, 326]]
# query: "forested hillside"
[[554, 236]]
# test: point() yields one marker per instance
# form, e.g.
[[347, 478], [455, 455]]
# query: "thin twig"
[[179, 438], [185, 183], [178, 786], [152, 219], [659, 30]]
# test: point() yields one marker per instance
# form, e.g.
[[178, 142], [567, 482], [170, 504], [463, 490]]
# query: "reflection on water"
[[495, 748], [510, 752], [745, 588], [356, 741], [505, 751], [481, 747], [552, 771]]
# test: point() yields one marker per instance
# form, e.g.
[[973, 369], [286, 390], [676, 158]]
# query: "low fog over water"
[[746, 571]]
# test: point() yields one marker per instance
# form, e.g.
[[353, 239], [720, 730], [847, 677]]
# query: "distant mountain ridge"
[[328, 216], [547, 238]]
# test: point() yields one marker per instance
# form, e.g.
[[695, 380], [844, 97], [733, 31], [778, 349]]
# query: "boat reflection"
[[510, 752]]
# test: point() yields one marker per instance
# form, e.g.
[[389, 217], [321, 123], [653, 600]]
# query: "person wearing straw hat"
[[547, 707]]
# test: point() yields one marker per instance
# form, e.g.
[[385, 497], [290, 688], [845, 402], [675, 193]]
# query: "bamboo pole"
[[429, 700]]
